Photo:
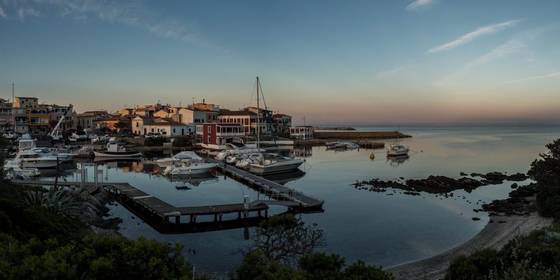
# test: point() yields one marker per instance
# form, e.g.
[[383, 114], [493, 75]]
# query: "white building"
[[161, 126], [301, 132]]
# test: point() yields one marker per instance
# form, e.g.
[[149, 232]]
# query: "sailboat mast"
[[13, 103], [258, 116]]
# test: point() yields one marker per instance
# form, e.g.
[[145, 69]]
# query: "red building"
[[213, 135]]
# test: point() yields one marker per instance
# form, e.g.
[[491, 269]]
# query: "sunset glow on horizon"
[[372, 62]]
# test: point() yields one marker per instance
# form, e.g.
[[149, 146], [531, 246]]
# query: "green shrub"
[[97, 256]]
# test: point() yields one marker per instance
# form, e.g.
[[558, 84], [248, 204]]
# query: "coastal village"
[[28, 115], [202, 123]]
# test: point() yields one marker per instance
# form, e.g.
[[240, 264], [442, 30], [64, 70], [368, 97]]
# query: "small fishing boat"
[[396, 150], [341, 145], [117, 150]]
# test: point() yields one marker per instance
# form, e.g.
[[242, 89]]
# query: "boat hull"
[[397, 153], [117, 154], [40, 163], [187, 171], [274, 168]]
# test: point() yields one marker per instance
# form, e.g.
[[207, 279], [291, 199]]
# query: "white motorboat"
[[237, 153], [396, 150], [63, 156], [191, 168], [33, 159], [117, 150], [185, 156], [274, 164]]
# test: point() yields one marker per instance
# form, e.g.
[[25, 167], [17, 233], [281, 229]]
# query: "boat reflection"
[[397, 160], [184, 182], [284, 178]]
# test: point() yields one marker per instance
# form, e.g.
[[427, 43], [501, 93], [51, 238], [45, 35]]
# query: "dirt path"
[[495, 235]]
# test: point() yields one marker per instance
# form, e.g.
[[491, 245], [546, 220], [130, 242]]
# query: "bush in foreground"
[[97, 256]]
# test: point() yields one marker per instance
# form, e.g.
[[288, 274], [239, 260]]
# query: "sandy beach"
[[496, 234]]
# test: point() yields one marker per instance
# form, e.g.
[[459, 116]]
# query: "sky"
[[325, 62]]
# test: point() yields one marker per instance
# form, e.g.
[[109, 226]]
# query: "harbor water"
[[382, 228]]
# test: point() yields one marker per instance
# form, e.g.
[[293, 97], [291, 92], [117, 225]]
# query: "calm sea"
[[375, 227]]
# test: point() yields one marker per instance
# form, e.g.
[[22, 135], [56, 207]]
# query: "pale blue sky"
[[394, 61]]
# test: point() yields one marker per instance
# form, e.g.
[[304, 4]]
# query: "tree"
[[546, 172], [284, 238]]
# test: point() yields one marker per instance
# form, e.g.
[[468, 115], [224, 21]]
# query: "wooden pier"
[[154, 208], [292, 198]]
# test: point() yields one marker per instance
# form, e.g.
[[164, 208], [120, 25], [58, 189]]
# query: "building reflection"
[[302, 151]]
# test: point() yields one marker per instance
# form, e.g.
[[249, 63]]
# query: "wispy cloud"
[[27, 12], [539, 77], [391, 72], [418, 4], [2, 13], [479, 32], [132, 13], [504, 50]]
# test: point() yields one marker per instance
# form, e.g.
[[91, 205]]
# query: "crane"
[[55, 133]]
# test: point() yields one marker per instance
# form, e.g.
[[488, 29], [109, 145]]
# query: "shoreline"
[[498, 232]]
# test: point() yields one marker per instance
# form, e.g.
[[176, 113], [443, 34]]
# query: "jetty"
[[151, 207], [285, 196], [349, 135], [167, 218]]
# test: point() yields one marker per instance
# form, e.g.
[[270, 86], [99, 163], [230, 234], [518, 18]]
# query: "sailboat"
[[267, 163]]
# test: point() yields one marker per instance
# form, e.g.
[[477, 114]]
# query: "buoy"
[[372, 156]]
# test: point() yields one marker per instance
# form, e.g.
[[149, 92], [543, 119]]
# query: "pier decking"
[[156, 208], [294, 199], [171, 219]]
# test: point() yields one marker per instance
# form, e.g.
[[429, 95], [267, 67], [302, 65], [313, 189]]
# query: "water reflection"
[[374, 227], [302, 151], [396, 161]]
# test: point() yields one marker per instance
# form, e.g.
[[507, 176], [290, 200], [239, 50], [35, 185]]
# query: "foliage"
[[536, 256], [546, 172], [182, 141], [154, 141], [283, 250], [56, 199], [23, 222], [122, 125], [284, 238], [318, 266], [97, 256], [256, 265], [475, 266]]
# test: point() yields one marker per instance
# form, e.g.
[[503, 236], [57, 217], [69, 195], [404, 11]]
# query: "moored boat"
[[117, 150], [192, 168], [396, 150]]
